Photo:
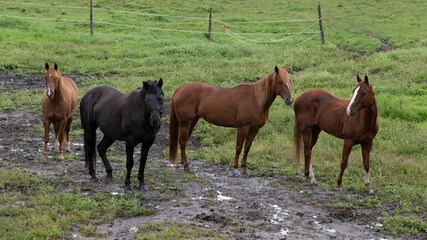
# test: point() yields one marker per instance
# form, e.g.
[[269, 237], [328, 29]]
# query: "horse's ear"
[[366, 78], [56, 67], [160, 84], [276, 69], [146, 85], [358, 78], [46, 66], [286, 68]]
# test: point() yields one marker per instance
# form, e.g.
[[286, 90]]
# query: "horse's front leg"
[[366, 150], [242, 133], [60, 129], [129, 164], [248, 142], [144, 153], [46, 124], [348, 144]]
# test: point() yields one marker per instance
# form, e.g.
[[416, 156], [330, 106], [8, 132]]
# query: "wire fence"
[[238, 36]]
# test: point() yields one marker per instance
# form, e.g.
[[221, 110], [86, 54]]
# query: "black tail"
[[89, 126]]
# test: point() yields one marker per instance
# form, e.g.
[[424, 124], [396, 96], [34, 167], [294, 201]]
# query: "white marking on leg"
[[56, 144], [311, 175], [352, 100], [367, 178], [50, 75]]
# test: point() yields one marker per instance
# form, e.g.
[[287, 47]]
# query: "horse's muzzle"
[[288, 100], [50, 94], [351, 112]]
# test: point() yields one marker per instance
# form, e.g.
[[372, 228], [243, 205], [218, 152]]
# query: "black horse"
[[134, 118]]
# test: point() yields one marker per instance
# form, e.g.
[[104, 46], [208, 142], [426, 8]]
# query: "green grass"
[[124, 57], [32, 208]]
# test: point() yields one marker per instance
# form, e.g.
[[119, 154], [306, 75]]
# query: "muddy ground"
[[208, 198]]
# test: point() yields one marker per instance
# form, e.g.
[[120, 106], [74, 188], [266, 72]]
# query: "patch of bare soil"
[[209, 198]]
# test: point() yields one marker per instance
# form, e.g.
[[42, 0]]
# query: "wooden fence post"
[[91, 19], [210, 26], [320, 24]]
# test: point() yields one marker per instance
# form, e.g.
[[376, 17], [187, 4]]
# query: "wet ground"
[[208, 198]]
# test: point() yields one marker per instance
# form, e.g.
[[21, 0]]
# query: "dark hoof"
[[187, 169], [109, 176], [128, 188]]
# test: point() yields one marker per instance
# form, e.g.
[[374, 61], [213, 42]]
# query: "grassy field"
[[355, 32]]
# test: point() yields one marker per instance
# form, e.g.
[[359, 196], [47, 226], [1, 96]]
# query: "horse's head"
[[154, 98], [51, 77], [363, 96], [283, 84]]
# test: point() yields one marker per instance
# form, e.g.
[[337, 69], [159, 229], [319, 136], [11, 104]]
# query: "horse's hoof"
[[187, 169], [338, 189], [61, 157], [128, 188], [370, 191], [43, 157], [236, 173]]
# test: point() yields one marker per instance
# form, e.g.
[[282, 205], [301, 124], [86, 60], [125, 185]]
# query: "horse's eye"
[[280, 82], [363, 94]]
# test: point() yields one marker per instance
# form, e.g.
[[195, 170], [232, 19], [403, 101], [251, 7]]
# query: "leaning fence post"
[[210, 26], [320, 24], [91, 19]]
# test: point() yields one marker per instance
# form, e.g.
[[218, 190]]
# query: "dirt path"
[[209, 198]]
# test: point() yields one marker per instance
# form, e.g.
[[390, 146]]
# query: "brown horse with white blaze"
[[353, 120], [59, 103], [244, 107]]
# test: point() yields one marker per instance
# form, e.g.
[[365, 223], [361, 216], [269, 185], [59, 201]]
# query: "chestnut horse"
[[133, 118], [244, 107], [353, 120], [59, 103]]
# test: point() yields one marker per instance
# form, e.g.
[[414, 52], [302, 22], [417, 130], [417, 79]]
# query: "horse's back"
[[320, 107], [217, 105]]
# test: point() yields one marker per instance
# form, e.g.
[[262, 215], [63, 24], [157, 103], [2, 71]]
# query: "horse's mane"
[[264, 88]]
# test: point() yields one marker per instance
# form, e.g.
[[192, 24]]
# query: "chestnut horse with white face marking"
[[59, 103], [244, 107], [353, 120]]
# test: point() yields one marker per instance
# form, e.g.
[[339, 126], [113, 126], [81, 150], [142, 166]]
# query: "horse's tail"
[[297, 144], [173, 135], [89, 126]]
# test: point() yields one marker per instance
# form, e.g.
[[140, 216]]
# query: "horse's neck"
[[60, 91], [371, 113], [264, 92]]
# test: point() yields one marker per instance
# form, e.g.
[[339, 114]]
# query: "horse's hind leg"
[[348, 144], [46, 124], [248, 143], [366, 150], [184, 130], [102, 150], [308, 170]]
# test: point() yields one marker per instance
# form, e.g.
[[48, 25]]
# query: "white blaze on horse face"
[[352, 100]]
